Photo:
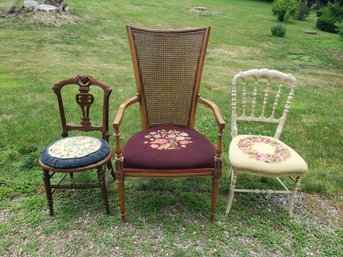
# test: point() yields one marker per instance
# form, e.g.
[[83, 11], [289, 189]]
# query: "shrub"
[[339, 26], [302, 12], [326, 22], [330, 15], [283, 9], [278, 30]]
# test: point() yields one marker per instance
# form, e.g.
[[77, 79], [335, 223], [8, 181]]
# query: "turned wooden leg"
[[47, 185], [102, 183], [71, 174], [214, 196], [232, 191], [292, 197]]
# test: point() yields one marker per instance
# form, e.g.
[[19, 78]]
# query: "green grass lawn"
[[167, 216]]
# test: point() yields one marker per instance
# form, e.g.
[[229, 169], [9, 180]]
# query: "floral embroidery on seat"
[[281, 152], [74, 147], [168, 139]]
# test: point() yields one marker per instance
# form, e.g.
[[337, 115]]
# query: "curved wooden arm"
[[116, 124], [219, 119], [220, 122], [120, 114]]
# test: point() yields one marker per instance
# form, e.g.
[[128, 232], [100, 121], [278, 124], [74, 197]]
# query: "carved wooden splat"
[[85, 100]]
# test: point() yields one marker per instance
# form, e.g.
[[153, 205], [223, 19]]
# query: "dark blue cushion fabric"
[[68, 163]]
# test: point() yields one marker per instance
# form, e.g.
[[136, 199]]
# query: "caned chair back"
[[168, 66], [262, 96], [84, 99]]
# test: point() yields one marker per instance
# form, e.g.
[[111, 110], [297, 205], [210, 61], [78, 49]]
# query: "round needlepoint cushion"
[[168, 147], [74, 152]]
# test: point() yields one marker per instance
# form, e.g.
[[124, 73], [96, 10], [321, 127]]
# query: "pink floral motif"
[[281, 152], [261, 156], [167, 139]]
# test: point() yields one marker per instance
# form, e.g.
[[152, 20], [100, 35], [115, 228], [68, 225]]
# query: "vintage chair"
[[79, 153], [262, 155], [168, 66]]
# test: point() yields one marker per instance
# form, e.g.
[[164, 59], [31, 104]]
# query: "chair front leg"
[[292, 196], [215, 185], [120, 182], [101, 178], [47, 185], [232, 191]]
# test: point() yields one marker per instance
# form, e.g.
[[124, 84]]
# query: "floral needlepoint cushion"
[[171, 139], [250, 145], [168, 147], [265, 155], [74, 152]]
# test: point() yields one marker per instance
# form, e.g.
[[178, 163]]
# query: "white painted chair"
[[262, 155]]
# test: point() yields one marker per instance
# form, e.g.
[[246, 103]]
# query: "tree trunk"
[[56, 3]]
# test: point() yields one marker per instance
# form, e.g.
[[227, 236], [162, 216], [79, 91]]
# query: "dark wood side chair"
[[168, 65], [79, 153]]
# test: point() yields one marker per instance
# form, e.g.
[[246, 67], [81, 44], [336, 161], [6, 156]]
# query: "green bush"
[[339, 26], [284, 9], [278, 30], [326, 22], [330, 15], [302, 12]]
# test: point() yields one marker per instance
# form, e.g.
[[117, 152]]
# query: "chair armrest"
[[219, 119], [120, 114]]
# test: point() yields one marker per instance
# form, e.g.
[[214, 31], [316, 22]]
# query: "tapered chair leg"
[[101, 178], [214, 197], [121, 193], [292, 196], [47, 185], [232, 191]]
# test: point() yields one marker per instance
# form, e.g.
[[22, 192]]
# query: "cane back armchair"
[[168, 66], [79, 153], [262, 155]]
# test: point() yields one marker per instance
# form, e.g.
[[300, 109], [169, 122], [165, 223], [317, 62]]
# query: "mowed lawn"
[[167, 217]]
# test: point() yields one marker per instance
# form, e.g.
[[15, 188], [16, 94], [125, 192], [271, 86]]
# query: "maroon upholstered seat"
[[168, 147]]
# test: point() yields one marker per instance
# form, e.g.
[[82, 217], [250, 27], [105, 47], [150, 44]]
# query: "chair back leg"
[[47, 185], [232, 191], [110, 168], [292, 196], [102, 183]]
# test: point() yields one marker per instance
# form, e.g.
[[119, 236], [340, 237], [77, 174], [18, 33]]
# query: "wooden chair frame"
[[84, 99], [120, 171], [269, 75]]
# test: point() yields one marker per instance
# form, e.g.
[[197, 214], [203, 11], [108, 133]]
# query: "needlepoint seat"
[[75, 152], [266, 156], [168, 147]]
